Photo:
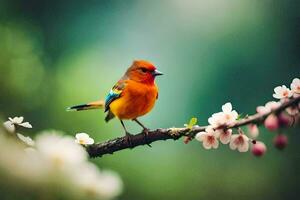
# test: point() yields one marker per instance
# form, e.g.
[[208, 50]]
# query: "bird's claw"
[[128, 139], [146, 132]]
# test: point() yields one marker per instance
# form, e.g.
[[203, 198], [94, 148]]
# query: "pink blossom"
[[293, 110], [239, 142], [225, 135], [209, 138], [295, 85], [284, 120], [224, 118], [272, 122], [280, 141], [282, 92], [269, 106], [253, 130], [258, 148]]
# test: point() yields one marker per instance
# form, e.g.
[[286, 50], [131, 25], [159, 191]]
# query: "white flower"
[[96, 183], [282, 92], [83, 139], [216, 120], [229, 115], [10, 124], [110, 183], [239, 142], [60, 151], [225, 135], [27, 140], [225, 118], [209, 138], [295, 85], [269, 106]]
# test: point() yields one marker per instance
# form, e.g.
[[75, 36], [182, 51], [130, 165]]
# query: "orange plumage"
[[134, 95]]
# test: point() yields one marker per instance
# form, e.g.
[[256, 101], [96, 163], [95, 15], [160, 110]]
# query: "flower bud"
[[280, 141], [258, 149], [253, 130], [284, 120], [187, 139], [272, 122]]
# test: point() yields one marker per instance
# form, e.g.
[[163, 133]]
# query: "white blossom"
[[11, 124], [224, 118], [239, 142], [26, 139], [225, 135], [57, 162], [216, 120], [95, 183], [83, 139], [209, 138], [295, 85], [269, 106], [229, 115], [60, 151], [282, 92]]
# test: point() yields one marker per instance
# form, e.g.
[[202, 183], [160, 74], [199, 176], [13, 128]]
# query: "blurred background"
[[54, 54]]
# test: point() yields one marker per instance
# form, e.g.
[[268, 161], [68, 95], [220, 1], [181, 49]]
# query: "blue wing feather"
[[114, 93]]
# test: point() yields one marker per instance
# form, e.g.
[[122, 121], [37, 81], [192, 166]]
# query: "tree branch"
[[117, 144]]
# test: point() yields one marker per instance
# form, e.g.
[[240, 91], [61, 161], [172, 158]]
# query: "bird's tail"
[[87, 106]]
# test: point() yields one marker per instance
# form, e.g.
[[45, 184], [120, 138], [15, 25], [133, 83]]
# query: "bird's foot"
[[146, 132], [128, 137]]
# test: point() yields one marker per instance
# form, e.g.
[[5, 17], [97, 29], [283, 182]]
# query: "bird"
[[133, 96]]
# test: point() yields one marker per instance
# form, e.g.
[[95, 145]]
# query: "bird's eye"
[[144, 70]]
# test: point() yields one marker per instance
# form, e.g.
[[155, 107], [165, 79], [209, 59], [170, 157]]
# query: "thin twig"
[[117, 144]]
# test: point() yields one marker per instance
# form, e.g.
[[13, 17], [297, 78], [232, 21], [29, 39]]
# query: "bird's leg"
[[145, 131], [127, 134]]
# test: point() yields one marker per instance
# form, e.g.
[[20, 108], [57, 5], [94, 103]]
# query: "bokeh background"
[[54, 54]]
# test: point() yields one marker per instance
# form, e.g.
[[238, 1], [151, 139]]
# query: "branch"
[[117, 144]]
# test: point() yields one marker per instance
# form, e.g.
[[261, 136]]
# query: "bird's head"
[[142, 71]]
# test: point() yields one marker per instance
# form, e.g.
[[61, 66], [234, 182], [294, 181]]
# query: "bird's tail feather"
[[87, 106], [109, 116]]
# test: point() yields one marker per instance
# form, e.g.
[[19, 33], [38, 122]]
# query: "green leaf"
[[193, 122], [240, 116]]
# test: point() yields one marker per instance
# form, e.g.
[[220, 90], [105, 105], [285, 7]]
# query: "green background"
[[54, 54]]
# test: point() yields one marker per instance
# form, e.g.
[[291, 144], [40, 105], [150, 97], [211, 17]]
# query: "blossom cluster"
[[219, 130], [54, 160]]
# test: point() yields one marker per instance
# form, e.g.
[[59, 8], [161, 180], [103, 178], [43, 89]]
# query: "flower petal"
[[215, 144], [226, 108], [90, 141], [244, 147], [207, 145], [200, 136], [9, 126], [234, 115], [277, 89], [225, 136], [17, 120], [27, 140], [82, 135], [26, 125]]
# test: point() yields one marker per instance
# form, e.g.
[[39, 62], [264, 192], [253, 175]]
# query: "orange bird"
[[134, 95]]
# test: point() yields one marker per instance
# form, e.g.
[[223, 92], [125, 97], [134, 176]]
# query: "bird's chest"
[[142, 99], [135, 102]]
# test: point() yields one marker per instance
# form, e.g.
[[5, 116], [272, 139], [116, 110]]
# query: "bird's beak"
[[156, 73]]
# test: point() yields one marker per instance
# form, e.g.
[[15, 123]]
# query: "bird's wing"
[[114, 93]]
